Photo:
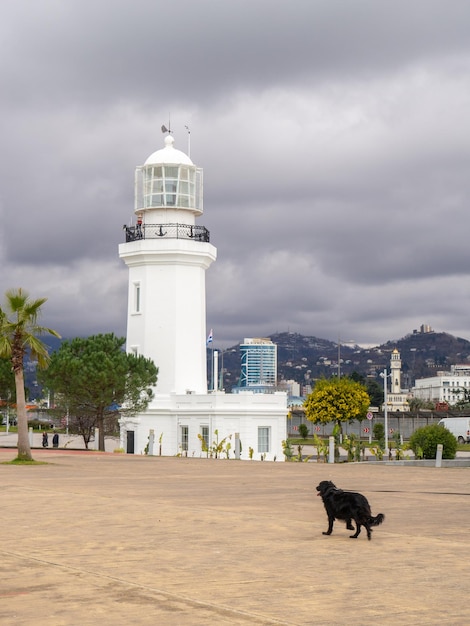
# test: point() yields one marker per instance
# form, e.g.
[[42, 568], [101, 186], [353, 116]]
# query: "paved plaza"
[[102, 538]]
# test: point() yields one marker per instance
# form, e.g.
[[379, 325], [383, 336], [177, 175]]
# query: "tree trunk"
[[24, 449], [100, 423]]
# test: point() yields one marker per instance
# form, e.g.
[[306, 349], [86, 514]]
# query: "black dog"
[[347, 506]]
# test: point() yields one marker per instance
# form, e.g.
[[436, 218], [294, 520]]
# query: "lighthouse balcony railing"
[[166, 231]]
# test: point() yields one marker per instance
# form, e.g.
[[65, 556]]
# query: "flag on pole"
[[209, 338]]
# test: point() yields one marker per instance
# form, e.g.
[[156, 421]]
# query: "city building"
[[292, 387], [168, 255], [258, 363], [449, 387]]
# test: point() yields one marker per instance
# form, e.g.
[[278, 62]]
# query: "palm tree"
[[18, 330]]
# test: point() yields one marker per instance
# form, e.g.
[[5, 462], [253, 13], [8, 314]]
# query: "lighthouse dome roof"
[[169, 154]]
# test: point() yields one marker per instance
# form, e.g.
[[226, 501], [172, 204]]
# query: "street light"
[[384, 375]]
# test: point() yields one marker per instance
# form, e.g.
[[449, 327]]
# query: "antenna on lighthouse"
[[189, 141]]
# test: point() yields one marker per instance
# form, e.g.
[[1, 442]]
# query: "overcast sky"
[[334, 137]]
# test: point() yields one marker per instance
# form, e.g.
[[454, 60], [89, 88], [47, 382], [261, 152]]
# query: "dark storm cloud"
[[67, 50], [332, 136]]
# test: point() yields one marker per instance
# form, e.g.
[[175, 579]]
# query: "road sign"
[[369, 415]]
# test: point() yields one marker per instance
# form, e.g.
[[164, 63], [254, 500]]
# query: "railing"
[[166, 231]]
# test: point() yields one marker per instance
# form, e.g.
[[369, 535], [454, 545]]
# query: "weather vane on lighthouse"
[[165, 129], [169, 131]]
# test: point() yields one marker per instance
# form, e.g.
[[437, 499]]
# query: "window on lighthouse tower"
[[136, 297]]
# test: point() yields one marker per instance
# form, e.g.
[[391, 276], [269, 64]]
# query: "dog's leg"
[[330, 526], [358, 530], [369, 531], [349, 526]]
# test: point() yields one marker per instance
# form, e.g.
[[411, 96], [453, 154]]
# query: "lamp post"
[[384, 375]]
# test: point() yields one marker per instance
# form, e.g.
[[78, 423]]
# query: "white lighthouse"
[[168, 254]]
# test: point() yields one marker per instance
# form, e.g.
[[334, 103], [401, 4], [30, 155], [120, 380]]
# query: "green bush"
[[379, 432], [424, 442], [40, 425], [303, 431]]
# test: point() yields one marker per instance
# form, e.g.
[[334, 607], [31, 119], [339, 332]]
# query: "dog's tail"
[[378, 519]]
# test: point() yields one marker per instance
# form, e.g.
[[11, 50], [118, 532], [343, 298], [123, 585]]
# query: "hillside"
[[303, 358]]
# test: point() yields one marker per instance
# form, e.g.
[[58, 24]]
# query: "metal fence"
[[166, 231], [400, 423]]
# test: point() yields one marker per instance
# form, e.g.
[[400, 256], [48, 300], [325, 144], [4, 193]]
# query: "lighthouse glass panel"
[[168, 186]]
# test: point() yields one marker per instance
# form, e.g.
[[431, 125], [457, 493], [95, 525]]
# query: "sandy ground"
[[97, 538]]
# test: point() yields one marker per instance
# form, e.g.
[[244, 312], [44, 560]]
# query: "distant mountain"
[[305, 358]]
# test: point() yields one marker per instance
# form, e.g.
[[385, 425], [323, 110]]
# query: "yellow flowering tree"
[[337, 400]]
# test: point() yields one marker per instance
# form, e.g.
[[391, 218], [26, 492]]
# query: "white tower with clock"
[[168, 254], [396, 399], [395, 371]]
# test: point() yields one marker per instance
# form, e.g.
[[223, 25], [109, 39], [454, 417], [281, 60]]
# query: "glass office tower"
[[258, 363]]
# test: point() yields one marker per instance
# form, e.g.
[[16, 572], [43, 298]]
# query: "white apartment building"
[[445, 386]]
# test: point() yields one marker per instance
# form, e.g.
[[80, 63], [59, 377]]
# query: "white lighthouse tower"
[[168, 254]]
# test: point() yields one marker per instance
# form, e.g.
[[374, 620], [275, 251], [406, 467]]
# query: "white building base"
[[259, 420]]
